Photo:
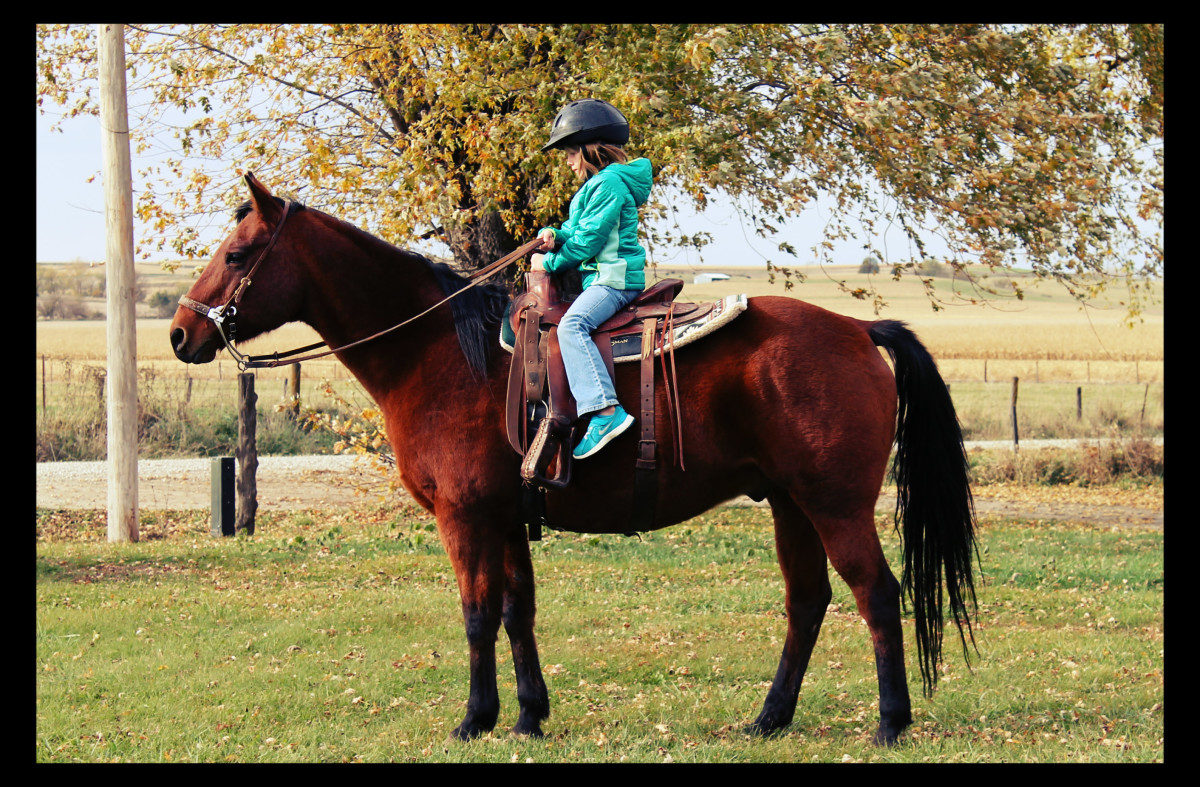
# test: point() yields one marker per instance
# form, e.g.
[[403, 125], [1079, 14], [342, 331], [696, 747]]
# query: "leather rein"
[[227, 312]]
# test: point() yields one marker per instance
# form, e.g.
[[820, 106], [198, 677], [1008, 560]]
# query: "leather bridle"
[[226, 314]]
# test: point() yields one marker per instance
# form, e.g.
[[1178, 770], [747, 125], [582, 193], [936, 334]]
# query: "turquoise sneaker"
[[601, 431]]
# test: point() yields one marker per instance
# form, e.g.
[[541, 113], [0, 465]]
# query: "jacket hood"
[[637, 175]]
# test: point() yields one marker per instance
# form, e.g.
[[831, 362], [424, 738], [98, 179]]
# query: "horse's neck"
[[361, 289]]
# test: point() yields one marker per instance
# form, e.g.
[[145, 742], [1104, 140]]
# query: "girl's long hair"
[[598, 155]]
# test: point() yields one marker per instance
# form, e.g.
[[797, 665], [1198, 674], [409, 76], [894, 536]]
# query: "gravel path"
[[292, 482], [282, 481]]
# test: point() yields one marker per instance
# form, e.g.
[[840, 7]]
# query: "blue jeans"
[[588, 377]]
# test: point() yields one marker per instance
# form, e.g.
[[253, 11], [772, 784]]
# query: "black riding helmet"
[[588, 120]]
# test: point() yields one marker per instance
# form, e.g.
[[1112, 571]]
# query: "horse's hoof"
[[529, 722], [466, 732], [888, 734], [528, 731], [761, 729]]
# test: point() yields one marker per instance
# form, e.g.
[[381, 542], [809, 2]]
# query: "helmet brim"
[[614, 134]]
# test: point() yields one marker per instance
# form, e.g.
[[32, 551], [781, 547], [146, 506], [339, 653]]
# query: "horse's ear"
[[264, 202]]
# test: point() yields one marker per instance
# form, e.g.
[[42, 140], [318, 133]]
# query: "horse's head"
[[222, 298]]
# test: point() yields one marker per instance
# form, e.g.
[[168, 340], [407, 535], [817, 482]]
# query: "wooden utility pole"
[[120, 286]]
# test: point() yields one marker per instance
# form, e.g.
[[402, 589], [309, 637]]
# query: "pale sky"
[[70, 213]]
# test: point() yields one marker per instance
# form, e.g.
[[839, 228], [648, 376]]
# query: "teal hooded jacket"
[[600, 235]]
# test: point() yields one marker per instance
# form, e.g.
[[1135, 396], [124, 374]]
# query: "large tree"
[[1038, 146]]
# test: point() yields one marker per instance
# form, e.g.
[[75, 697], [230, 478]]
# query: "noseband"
[[227, 312]]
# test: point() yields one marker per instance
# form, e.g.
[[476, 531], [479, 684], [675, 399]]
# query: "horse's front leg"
[[477, 552], [519, 611]]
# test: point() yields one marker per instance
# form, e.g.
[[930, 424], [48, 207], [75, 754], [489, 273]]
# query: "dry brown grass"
[[1046, 336], [1046, 326]]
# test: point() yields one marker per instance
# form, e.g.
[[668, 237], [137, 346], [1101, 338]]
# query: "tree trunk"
[[481, 242]]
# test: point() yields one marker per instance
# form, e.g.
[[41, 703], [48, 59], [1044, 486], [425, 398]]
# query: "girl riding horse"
[[600, 237]]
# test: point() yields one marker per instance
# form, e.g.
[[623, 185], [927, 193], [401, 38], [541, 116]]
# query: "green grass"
[[1049, 410], [333, 636]]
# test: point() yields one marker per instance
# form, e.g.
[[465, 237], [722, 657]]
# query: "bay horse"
[[789, 402]]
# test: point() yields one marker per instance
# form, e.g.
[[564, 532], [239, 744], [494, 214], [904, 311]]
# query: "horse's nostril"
[[178, 338]]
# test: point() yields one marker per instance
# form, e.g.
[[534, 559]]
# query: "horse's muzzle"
[[180, 344]]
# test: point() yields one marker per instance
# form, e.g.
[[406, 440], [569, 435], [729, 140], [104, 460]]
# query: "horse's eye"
[[235, 259]]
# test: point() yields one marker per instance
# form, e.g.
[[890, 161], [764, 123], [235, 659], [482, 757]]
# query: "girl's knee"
[[569, 322]]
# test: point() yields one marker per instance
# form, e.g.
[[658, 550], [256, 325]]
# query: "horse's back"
[[793, 353]]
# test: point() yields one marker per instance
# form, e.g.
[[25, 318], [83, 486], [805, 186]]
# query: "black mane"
[[477, 314]]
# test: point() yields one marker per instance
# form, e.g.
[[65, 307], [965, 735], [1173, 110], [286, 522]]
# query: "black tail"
[[934, 509]]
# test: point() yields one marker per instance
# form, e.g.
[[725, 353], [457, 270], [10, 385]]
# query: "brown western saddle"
[[541, 414]]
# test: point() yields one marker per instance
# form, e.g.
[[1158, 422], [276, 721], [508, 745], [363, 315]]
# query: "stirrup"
[[551, 442]]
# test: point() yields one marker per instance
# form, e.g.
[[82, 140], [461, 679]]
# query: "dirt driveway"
[[284, 482]]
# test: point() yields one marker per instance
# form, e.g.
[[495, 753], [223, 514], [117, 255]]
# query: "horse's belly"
[[600, 498]]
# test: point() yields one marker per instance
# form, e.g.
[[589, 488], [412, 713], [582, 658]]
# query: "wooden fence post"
[[1016, 439], [293, 395], [247, 454], [1078, 403]]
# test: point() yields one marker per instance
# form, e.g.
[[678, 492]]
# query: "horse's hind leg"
[[519, 608], [853, 547], [802, 559]]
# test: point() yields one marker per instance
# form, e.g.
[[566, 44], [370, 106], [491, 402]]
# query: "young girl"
[[600, 238]]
